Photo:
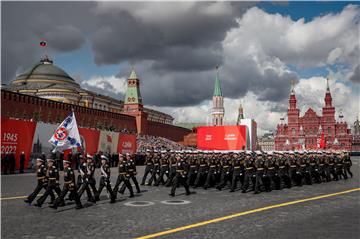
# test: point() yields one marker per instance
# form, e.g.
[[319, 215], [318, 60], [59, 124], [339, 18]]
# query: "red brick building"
[[304, 132]]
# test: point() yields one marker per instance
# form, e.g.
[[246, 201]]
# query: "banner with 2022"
[[17, 137]]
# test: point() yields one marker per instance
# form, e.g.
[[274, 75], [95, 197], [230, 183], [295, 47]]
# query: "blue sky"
[[304, 9]]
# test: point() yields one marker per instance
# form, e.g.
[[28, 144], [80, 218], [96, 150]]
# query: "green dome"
[[44, 75], [45, 69]]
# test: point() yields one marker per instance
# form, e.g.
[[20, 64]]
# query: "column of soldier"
[[245, 170], [48, 179]]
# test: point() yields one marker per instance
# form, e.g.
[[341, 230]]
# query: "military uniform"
[[164, 170], [53, 184], [131, 169], [193, 170], [105, 180], [88, 180], [225, 174], [212, 170], [236, 174], [69, 186], [347, 165], [249, 173], [42, 181], [123, 178], [156, 171], [180, 178], [148, 168], [172, 173], [202, 172]]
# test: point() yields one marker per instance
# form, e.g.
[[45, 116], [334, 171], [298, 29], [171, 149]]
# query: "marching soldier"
[[333, 168], [53, 183], [225, 174], [259, 172], [268, 172], [42, 181], [236, 173], [149, 166], [172, 173], [347, 164], [210, 179], [285, 167], [201, 175], [340, 167], [306, 167], [88, 169], [123, 177], [314, 169], [249, 171], [69, 186], [105, 179], [277, 173], [156, 170], [180, 177], [131, 169], [81, 170], [193, 170], [164, 169]]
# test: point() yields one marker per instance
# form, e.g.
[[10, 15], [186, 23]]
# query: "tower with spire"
[[240, 115], [133, 99], [328, 112], [293, 114], [218, 111], [133, 104]]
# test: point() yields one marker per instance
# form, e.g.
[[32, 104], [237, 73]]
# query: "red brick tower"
[[328, 116], [293, 119], [133, 103]]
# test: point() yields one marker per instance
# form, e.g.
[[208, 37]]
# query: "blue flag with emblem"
[[67, 135]]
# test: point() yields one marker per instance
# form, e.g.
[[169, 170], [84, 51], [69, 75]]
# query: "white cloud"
[[108, 83], [255, 68], [308, 44]]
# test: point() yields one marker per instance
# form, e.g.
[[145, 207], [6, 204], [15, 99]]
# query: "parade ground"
[[327, 210]]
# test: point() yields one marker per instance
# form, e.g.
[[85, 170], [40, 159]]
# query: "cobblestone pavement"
[[332, 217]]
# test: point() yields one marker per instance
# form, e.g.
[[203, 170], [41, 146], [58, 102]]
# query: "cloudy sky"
[[175, 47]]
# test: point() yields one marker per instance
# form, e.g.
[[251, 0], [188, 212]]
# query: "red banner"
[[221, 137], [127, 144], [89, 140], [17, 136]]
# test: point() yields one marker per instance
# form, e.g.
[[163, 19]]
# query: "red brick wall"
[[28, 107]]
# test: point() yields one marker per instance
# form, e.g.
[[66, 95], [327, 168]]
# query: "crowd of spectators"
[[155, 143]]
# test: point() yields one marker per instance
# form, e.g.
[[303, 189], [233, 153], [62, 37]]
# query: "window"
[[293, 131], [329, 130]]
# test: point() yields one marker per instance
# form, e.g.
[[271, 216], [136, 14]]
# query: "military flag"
[[67, 135]]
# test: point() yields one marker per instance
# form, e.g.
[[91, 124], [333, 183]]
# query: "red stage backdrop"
[[127, 144], [221, 137], [17, 136], [89, 140]]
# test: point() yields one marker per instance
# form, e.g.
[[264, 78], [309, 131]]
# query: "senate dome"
[[47, 81]]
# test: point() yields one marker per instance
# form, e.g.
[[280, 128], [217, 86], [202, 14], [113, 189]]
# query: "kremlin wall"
[[47, 94]]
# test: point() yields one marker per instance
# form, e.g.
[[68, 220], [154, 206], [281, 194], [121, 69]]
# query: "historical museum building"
[[304, 132]]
